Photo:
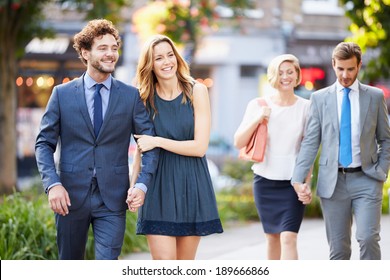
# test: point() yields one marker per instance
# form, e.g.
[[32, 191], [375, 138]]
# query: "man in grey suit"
[[92, 119], [354, 159]]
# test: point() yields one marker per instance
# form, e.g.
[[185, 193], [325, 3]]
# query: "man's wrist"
[[141, 186], [51, 186]]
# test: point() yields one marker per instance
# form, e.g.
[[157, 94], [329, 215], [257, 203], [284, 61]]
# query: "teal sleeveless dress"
[[180, 200]]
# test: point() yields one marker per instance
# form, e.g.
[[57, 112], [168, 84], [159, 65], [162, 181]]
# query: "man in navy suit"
[[91, 183]]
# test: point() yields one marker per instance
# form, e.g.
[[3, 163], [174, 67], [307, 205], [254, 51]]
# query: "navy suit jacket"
[[66, 121]]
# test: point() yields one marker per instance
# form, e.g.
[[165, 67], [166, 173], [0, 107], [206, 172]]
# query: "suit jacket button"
[[90, 168]]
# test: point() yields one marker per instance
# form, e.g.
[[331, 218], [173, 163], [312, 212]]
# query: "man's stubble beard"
[[100, 68]]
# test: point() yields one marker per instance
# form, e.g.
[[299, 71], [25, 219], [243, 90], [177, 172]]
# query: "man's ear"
[[360, 65], [85, 54]]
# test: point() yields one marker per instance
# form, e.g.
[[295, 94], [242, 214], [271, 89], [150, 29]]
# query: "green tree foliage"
[[370, 29], [108, 9], [21, 21], [184, 21]]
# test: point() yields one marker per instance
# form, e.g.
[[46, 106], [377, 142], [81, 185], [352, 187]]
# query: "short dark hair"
[[347, 50], [95, 28]]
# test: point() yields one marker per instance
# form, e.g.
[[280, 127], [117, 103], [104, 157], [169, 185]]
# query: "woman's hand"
[[145, 142], [304, 192], [264, 114], [135, 199]]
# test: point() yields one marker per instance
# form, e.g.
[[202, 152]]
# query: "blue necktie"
[[345, 156], [98, 111]]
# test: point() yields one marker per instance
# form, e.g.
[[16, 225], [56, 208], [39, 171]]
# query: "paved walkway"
[[246, 242]]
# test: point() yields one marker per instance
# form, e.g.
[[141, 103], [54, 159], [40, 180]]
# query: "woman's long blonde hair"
[[147, 79]]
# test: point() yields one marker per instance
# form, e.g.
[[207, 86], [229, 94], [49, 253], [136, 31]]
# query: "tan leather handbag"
[[255, 149]]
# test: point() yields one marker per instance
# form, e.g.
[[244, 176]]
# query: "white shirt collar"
[[89, 82], [354, 87]]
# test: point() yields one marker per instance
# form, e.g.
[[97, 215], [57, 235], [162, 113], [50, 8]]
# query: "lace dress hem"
[[179, 229]]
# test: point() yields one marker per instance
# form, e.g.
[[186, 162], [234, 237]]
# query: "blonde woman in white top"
[[277, 202]]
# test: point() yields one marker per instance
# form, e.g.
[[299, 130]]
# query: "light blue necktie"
[[97, 111], [345, 156]]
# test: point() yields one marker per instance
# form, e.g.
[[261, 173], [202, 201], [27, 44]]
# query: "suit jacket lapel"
[[331, 106], [364, 103], [80, 99], [112, 104]]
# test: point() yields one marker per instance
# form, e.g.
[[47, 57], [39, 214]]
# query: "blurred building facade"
[[309, 29], [234, 58]]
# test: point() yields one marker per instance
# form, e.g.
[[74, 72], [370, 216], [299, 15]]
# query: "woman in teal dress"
[[180, 204]]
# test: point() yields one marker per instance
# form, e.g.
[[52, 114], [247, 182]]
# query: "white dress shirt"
[[355, 119]]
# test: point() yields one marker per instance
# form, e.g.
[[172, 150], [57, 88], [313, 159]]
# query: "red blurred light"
[[386, 90], [312, 74]]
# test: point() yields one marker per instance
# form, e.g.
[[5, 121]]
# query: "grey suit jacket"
[[66, 120], [323, 129]]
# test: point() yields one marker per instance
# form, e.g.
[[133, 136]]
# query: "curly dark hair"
[[95, 28]]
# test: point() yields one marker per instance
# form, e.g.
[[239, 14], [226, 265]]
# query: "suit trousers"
[[359, 196], [108, 228]]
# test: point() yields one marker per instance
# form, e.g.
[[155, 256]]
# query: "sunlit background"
[[227, 43]]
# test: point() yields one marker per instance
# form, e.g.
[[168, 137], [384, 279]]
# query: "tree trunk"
[[8, 168]]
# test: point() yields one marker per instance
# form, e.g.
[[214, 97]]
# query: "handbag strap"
[[261, 102]]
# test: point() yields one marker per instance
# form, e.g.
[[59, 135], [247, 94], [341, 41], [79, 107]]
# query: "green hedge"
[[385, 202], [28, 230], [240, 198], [236, 204]]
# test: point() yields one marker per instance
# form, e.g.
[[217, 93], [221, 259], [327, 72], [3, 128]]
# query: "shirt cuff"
[[52, 185], [141, 186]]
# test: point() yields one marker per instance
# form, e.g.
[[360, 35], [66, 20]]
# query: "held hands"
[[59, 200], [135, 199], [304, 192], [145, 142]]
